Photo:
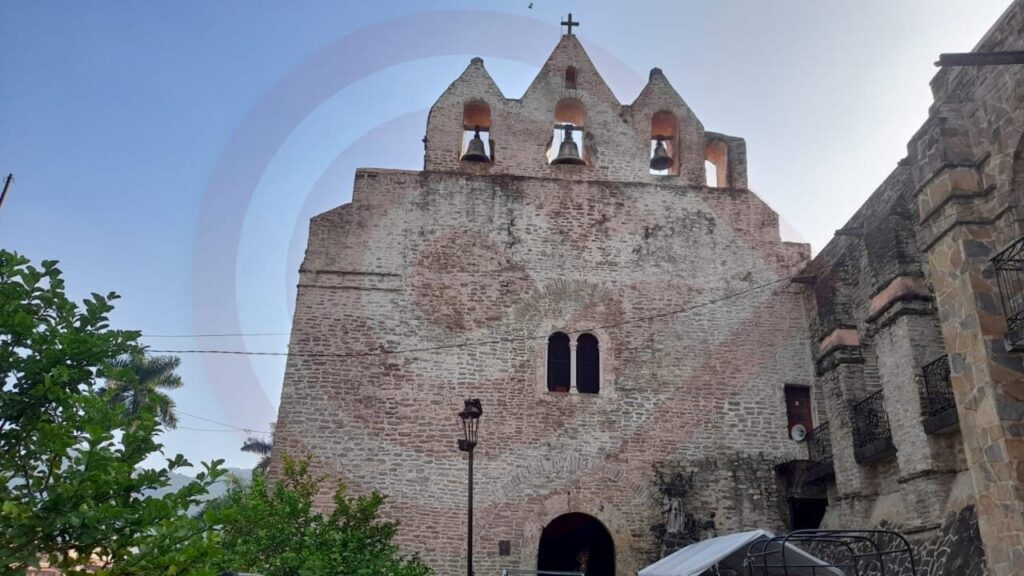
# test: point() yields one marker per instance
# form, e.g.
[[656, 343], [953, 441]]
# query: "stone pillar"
[[907, 337], [572, 365], [962, 228], [840, 368]]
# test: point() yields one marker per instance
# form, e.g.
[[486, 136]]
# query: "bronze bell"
[[475, 152], [660, 160], [568, 152]]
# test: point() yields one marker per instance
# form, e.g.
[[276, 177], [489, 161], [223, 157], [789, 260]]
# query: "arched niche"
[[571, 111], [716, 154], [476, 113], [664, 127], [476, 119], [570, 119]]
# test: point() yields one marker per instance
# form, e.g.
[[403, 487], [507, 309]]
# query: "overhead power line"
[[481, 342], [190, 429], [225, 335], [219, 423]]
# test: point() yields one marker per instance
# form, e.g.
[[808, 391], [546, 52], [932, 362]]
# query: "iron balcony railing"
[[1009, 269], [938, 408], [938, 391], [872, 437], [819, 445], [819, 452]]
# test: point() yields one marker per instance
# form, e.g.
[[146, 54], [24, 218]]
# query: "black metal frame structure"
[[1009, 269], [872, 437], [851, 552], [938, 406], [819, 451]]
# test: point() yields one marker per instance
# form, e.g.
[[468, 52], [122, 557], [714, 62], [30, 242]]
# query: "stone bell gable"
[[616, 140]]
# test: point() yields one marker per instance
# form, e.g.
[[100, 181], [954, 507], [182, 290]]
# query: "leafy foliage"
[[71, 485], [262, 447], [152, 375], [274, 530], [80, 411]]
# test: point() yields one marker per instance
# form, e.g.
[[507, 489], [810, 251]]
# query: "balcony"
[[938, 406], [872, 437], [819, 452], [1009, 269]]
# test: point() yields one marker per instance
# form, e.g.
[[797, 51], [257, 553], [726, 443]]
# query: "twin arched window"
[[574, 364]]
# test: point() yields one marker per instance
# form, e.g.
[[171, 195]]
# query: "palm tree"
[[153, 375], [262, 447]]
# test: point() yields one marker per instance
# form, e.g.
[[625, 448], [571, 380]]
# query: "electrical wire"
[[190, 429], [225, 335], [479, 342], [211, 421]]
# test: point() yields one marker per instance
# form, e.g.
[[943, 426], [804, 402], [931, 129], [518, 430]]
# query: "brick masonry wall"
[[421, 260]]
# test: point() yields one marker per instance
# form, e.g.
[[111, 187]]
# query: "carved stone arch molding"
[[527, 496]]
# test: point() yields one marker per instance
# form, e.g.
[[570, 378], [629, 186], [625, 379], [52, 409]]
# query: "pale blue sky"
[[174, 151]]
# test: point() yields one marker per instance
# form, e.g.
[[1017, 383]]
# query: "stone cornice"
[[840, 347], [903, 295], [839, 338]]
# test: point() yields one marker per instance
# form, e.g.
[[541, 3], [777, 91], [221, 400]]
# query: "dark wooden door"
[[798, 407]]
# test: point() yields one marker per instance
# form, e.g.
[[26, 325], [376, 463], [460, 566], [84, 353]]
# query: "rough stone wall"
[[431, 260], [700, 497], [953, 549], [913, 282], [874, 327], [968, 198]]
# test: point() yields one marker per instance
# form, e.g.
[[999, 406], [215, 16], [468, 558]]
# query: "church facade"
[[655, 365], [610, 319]]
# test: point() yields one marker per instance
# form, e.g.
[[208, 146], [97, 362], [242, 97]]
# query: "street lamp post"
[[470, 417]]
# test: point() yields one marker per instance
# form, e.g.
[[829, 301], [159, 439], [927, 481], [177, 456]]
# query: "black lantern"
[[470, 417]]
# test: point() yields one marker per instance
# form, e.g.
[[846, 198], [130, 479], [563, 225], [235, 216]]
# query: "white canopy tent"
[[728, 552]]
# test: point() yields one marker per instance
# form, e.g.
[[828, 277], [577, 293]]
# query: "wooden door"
[[798, 407]]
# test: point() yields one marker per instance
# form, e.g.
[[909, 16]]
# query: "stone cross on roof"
[[569, 24]]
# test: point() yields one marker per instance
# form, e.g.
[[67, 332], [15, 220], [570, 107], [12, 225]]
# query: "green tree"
[[273, 530], [71, 482], [151, 375], [262, 447]]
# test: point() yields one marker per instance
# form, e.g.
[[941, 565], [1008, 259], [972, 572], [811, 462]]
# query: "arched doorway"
[[574, 541]]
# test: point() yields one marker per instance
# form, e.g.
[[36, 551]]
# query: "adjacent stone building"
[[648, 353], [915, 327]]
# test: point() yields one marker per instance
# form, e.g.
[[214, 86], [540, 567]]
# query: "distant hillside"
[[180, 480]]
